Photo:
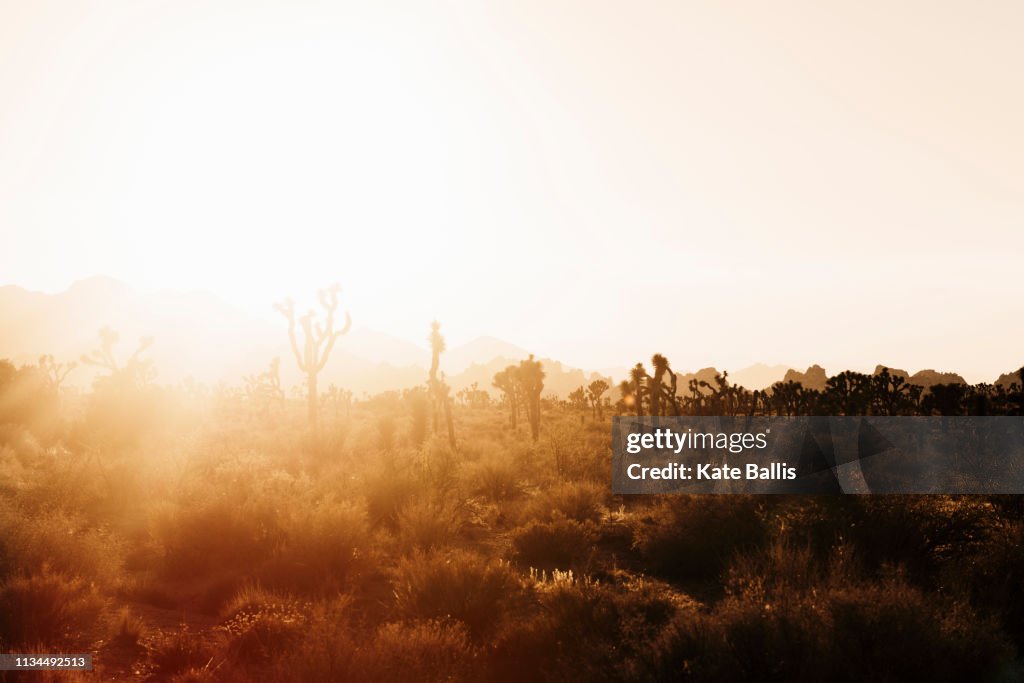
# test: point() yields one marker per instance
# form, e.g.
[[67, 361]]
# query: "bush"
[[425, 526], [693, 537], [788, 617], [418, 651], [921, 533], [129, 630], [581, 501], [63, 542], [323, 547], [563, 543], [48, 607], [585, 630], [185, 653], [495, 478], [331, 649], [461, 586], [386, 495], [209, 536], [996, 575]]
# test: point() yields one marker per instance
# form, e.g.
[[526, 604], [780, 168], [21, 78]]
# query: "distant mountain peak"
[[98, 283], [481, 350]]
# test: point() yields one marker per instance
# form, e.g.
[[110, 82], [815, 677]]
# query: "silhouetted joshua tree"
[[849, 392], [945, 399], [439, 390], [265, 388], [639, 379], [893, 394], [56, 372], [594, 392], [655, 383], [507, 382], [339, 397], [578, 399], [531, 382], [135, 370], [318, 342]]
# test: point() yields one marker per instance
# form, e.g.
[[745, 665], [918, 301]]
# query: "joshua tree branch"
[[333, 338]]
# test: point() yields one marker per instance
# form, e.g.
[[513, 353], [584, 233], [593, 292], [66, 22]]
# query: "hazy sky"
[[725, 183]]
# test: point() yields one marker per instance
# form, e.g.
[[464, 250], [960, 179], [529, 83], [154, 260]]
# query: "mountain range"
[[199, 336]]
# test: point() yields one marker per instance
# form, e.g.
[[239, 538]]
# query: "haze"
[[796, 183]]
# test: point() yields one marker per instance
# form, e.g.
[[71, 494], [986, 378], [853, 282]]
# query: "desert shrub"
[[323, 546], [418, 651], [440, 468], [495, 478], [417, 402], [582, 501], [332, 649], [693, 537], [121, 413], [583, 629], [459, 586], [46, 607], [129, 628], [482, 445], [216, 534], [562, 543], [787, 616], [27, 397], [324, 653], [186, 653], [920, 533], [995, 574], [423, 525], [387, 493], [254, 638], [61, 541]]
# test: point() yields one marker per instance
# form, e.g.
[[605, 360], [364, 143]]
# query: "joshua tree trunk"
[[311, 403], [451, 424]]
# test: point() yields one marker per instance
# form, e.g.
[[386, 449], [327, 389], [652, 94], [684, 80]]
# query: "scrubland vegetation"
[[195, 534]]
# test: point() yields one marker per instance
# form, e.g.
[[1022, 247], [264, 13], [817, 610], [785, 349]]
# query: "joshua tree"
[[945, 399], [594, 392], [55, 371], [318, 341], [437, 347], [507, 382], [627, 399], [850, 392], [578, 399], [661, 397], [531, 383], [786, 397], [891, 392], [639, 379], [136, 370], [265, 388], [1016, 394], [438, 387], [474, 396]]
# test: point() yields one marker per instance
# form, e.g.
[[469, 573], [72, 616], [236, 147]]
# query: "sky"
[[724, 183]]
